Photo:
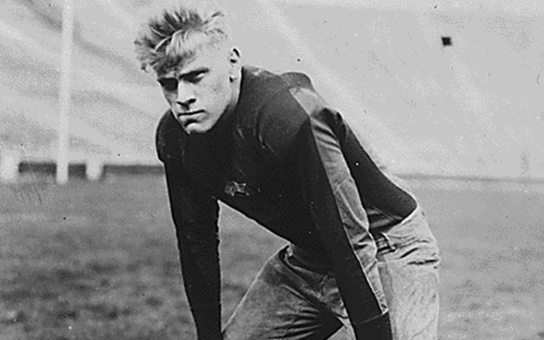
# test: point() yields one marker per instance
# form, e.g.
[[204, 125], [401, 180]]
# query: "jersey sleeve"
[[339, 215], [309, 135], [195, 216]]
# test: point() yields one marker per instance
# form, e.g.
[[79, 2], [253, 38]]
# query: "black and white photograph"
[[271, 169]]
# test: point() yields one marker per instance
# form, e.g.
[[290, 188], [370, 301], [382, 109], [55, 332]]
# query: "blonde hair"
[[176, 35]]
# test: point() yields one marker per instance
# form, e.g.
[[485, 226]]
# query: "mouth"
[[189, 117], [189, 113]]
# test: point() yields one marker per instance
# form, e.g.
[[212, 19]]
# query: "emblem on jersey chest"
[[232, 188]]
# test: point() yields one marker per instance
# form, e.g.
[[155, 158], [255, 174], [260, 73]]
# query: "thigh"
[[408, 264], [275, 307]]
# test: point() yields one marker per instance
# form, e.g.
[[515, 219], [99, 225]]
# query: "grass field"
[[99, 261]]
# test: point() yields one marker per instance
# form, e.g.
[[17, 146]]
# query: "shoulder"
[[273, 108], [302, 91], [298, 101], [295, 107], [168, 136]]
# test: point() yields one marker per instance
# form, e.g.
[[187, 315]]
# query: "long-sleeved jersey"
[[287, 160]]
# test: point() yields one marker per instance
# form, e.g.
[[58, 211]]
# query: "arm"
[[195, 218], [340, 218], [299, 126], [294, 126]]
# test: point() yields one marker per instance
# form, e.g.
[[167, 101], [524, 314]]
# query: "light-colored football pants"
[[292, 298]]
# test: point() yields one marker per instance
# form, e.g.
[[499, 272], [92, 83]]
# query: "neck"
[[235, 91]]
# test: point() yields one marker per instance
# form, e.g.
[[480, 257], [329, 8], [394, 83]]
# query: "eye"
[[194, 77], [169, 84]]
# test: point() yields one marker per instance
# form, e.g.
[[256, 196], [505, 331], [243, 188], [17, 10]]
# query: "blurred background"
[[448, 93], [438, 87]]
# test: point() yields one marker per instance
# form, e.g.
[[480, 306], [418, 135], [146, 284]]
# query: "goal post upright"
[[65, 92]]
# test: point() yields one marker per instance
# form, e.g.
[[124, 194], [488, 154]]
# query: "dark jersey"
[[287, 160]]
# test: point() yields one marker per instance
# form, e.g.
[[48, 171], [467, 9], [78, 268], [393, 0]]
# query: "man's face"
[[201, 89]]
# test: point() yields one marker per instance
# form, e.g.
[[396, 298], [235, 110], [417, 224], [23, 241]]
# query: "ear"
[[235, 63]]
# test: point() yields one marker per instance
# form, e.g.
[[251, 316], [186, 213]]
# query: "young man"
[[360, 254]]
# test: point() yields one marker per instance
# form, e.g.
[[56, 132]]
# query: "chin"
[[196, 129]]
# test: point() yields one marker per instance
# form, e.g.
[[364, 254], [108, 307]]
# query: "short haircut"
[[176, 35]]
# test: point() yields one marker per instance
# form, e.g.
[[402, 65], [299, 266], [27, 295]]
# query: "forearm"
[[200, 271], [195, 217]]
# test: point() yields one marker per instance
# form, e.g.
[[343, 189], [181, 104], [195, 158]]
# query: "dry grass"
[[99, 261]]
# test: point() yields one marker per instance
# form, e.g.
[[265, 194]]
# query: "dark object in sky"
[[446, 41]]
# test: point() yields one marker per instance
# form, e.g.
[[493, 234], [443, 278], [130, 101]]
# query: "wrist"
[[378, 329], [209, 335], [208, 322], [209, 332]]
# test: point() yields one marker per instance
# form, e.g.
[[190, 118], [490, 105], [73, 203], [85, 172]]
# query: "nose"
[[185, 96]]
